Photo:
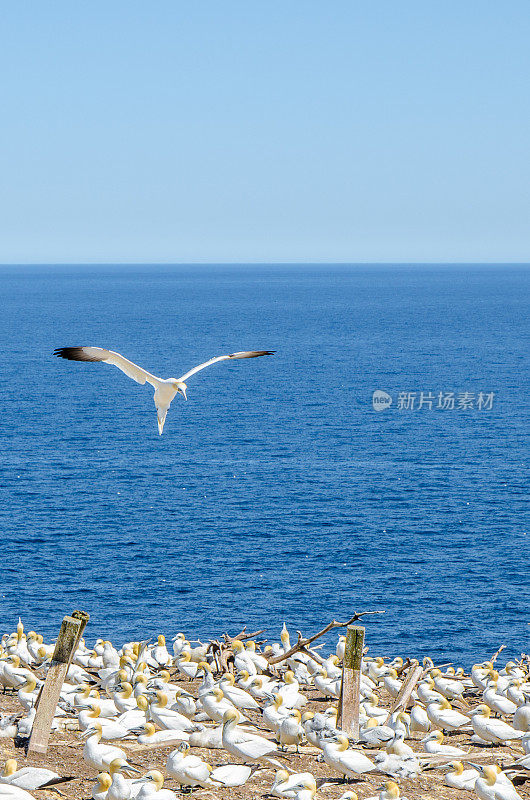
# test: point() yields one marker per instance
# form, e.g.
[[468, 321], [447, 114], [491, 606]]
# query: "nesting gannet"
[[390, 791], [397, 766], [515, 693], [167, 717], [347, 762], [165, 388], [8, 792], [120, 788], [13, 676], [261, 687], [8, 727], [124, 700], [152, 787], [99, 792], [243, 658], [136, 717], [305, 789], [372, 708], [419, 721], [480, 674], [27, 694], [521, 718], [400, 723], [30, 777], [448, 687], [274, 713], [186, 666], [284, 782], [215, 704], [99, 755], [432, 743], [231, 775], [398, 746], [153, 738], [328, 687], [392, 683], [110, 728], [492, 730], [188, 769], [243, 745], [427, 693], [258, 660], [492, 784], [497, 701], [238, 697], [319, 726], [291, 730], [374, 735], [459, 778], [443, 715]]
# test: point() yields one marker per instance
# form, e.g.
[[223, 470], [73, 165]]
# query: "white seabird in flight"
[[165, 388]]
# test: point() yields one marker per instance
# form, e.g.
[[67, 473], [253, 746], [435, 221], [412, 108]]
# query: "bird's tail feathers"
[[161, 417]]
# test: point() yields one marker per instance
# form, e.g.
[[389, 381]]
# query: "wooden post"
[[351, 682], [407, 687], [69, 635]]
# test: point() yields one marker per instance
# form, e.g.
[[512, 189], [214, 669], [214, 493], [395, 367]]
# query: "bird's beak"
[[184, 393], [128, 770]]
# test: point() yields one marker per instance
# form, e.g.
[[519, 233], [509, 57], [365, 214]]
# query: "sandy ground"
[[65, 756]]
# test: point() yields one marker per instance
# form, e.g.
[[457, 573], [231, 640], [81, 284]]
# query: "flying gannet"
[[165, 388]]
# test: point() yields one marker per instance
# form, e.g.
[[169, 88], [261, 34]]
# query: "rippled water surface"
[[276, 492]]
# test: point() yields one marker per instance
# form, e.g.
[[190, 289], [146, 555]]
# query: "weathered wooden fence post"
[[407, 687], [351, 682], [71, 630]]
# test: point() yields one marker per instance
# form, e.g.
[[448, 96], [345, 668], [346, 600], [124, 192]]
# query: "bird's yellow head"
[[104, 781], [490, 773], [181, 387], [392, 789], [10, 767], [157, 778]]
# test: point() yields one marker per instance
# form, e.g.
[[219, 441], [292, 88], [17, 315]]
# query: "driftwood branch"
[[495, 656], [302, 642], [242, 636]]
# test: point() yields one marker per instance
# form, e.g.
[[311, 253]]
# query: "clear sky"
[[289, 130]]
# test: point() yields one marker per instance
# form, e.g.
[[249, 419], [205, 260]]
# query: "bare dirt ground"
[[65, 757]]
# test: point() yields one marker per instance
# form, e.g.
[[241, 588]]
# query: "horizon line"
[[255, 263]]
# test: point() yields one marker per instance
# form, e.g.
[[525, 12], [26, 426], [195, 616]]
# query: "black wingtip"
[[73, 354], [66, 352]]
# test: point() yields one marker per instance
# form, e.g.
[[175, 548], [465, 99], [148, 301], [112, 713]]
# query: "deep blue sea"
[[276, 492]]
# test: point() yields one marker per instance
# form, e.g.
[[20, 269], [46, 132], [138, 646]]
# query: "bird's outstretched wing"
[[108, 357], [242, 354]]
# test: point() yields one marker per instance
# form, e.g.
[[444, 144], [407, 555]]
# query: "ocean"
[[277, 492]]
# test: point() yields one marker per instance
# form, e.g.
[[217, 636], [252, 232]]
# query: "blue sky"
[[277, 131]]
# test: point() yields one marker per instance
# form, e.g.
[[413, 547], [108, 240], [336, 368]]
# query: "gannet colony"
[[219, 719]]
